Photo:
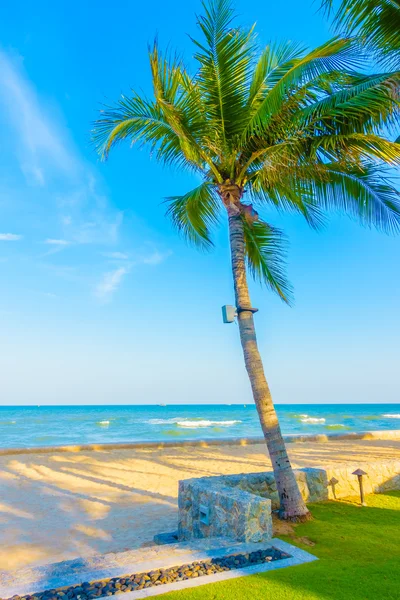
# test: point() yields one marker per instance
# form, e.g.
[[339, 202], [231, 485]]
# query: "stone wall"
[[212, 509], [239, 506]]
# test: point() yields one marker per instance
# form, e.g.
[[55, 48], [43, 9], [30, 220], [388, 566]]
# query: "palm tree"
[[286, 128], [376, 21]]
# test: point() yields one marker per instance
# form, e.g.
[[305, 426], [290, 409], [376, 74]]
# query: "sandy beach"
[[59, 505]]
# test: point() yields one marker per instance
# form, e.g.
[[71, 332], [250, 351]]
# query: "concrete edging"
[[298, 557]]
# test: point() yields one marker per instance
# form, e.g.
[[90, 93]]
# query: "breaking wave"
[[192, 423], [206, 423], [392, 416], [164, 421], [312, 420]]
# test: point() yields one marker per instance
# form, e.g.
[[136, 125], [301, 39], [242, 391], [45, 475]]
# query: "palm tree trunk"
[[292, 506]]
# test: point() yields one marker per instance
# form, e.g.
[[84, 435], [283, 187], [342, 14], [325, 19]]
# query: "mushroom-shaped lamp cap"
[[359, 472]]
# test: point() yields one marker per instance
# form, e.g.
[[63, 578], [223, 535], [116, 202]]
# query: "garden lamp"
[[332, 482], [360, 473]]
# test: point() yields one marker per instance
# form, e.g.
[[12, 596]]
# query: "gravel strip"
[[139, 581]]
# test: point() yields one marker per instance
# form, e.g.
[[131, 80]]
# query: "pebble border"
[[158, 577]]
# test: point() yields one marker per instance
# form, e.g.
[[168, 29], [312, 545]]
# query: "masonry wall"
[[239, 506]]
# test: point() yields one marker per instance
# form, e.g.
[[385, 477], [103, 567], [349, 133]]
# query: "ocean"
[[28, 426]]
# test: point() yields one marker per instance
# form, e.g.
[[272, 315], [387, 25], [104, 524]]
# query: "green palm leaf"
[[271, 65], [174, 94], [292, 193], [194, 214], [355, 146], [364, 102], [363, 193], [225, 69], [335, 55], [376, 21], [265, 248], [143, 122]]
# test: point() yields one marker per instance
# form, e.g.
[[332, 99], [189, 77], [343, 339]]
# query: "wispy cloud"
[[155, 257], [72, 207], [116, 255], [40, 144], [56, 242], [110, 283], [56, 245], [10, 237], [47, 156], [100, 227], [137, 258]]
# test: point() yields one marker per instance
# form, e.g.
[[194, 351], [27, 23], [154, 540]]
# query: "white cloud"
[[47, 156], [10, 237], [155, 258], [40, 143], [116, 255], [110, 283], [99, 228], [55, 242]]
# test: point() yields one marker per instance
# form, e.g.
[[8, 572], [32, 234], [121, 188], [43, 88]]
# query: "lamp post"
[[360, 473], [332, 482]]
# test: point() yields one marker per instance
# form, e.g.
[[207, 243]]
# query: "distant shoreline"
[[249, 404], [393, 434]]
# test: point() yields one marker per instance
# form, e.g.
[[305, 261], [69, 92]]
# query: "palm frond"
[[334, 55], [175, 93], [362, 190], [363, 104], [265, 249], [274, 164], [195, 214], [271, 64], [365, 193], [289, 191], [376, 21], [354, 147], [225, 69], [139, 121]]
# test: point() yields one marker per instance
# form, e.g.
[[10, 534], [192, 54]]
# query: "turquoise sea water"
[[62, 425]]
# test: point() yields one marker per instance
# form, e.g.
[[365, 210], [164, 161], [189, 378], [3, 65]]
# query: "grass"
[[359, 552]]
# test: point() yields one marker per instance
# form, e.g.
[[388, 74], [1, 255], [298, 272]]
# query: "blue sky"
[[100, 301]]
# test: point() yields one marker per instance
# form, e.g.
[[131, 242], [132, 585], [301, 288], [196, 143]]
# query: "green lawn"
[[359, 552]]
